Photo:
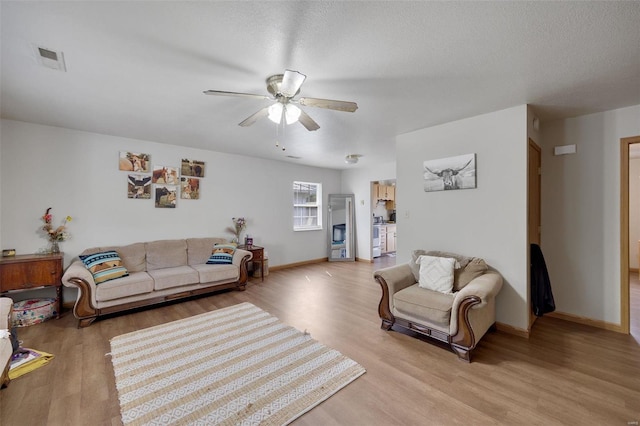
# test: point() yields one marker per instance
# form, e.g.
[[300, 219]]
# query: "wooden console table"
[[258, 256], [31, 271]]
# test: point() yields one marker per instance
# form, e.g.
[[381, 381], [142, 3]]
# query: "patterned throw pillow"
[[221, 255], [436, 273], [104, 266]]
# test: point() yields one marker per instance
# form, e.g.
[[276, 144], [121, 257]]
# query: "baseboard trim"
[[586, 321], [506, 328], [293, 265]]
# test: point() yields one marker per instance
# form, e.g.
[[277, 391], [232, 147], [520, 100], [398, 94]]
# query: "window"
[[307, 206]]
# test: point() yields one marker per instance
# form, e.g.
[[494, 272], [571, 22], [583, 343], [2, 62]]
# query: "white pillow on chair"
[[436, 273]]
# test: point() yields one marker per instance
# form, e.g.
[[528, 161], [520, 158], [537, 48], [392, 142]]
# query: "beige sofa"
[[158, 271], [6, 350], [459, 318]]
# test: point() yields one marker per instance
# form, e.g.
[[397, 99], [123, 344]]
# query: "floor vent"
[[50, 58]]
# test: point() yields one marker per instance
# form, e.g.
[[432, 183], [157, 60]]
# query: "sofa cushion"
[[133, 256], [432, 306], [135, 283], [460, 279], [166, 254], [174, 277], [222, 254], [199, 249], [104, 266], [436, 273], [474, 269], [216, 273]]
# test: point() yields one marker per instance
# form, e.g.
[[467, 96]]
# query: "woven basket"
[[33, 311]]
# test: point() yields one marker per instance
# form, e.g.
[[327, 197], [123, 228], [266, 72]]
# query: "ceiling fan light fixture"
[[275, 112], [291, 113], [352, 158]]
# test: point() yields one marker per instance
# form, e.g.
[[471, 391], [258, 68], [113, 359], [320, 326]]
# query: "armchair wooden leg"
[[464, 354], [386, 325], [86, 322]]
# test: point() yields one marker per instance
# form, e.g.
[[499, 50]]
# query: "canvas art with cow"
[[450, 173]]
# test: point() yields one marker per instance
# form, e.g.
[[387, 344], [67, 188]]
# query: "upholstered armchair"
[[458, 315]]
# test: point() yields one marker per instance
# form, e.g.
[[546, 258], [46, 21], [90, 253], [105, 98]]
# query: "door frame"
[[625, 144], [533, 146]]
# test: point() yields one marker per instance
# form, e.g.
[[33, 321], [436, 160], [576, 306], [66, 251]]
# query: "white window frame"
[[308, 204]]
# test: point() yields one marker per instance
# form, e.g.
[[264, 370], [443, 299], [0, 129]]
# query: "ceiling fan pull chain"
[[283, 130]]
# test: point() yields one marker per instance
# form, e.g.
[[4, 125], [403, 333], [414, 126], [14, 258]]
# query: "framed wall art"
[[193, 168], [450, 173], [189, 188], [139, 187], [134, 162], [165, 175], [166, 196]]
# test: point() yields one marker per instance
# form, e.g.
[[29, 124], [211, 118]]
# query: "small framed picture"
[[166, 196], [189, 188], [134, 162], [165, 175], [139, 187], [192, 168]]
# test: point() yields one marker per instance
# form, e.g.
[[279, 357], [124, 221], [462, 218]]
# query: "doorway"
[[534, 170], [629, 282]]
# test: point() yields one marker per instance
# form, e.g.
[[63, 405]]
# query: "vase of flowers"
[[239, 225], [55, 234]]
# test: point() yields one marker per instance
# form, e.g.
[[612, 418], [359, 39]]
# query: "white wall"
[[489, 221], [358, 182], [634, 211], [581, 211], [77, 174], [2, 246]]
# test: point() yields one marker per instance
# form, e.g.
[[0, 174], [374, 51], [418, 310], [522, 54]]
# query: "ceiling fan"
[[283, 89]]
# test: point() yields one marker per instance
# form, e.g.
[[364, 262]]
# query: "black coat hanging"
[[541, 296]]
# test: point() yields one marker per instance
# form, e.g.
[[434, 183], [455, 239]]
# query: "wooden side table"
[[258, 256], [31, 271]]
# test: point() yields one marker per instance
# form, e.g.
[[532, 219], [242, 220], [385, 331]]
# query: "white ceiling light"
[[352, 158], [291, 113]]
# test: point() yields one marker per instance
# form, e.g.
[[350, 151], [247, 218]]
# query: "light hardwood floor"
[[565, 373]]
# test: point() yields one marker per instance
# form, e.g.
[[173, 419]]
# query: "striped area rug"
[[237, 365]]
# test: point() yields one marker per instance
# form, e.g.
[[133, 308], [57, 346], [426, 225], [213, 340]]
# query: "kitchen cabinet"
[[384, 192], [390, 238]]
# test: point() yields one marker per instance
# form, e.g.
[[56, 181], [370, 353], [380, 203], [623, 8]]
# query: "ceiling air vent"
[[50, 58]]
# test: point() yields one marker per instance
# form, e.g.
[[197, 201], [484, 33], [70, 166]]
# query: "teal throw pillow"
[[221, 255], [104, 266]]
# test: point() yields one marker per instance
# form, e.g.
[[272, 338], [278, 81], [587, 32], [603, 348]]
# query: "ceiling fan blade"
[[291, 83], [307, 121], [245, 95], [255, 117], [329, 104]]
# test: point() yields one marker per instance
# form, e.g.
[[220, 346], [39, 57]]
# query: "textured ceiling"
[[138, 69]]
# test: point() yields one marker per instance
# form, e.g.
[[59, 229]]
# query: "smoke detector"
[[49, 58], [352, 158]]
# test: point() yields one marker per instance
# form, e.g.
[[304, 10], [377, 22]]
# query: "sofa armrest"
[[239, 255], [486, 287], [77, 275], [78, 270], [6, 307], [392, 280], [241, 258], [396, 277], [473, 312]]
